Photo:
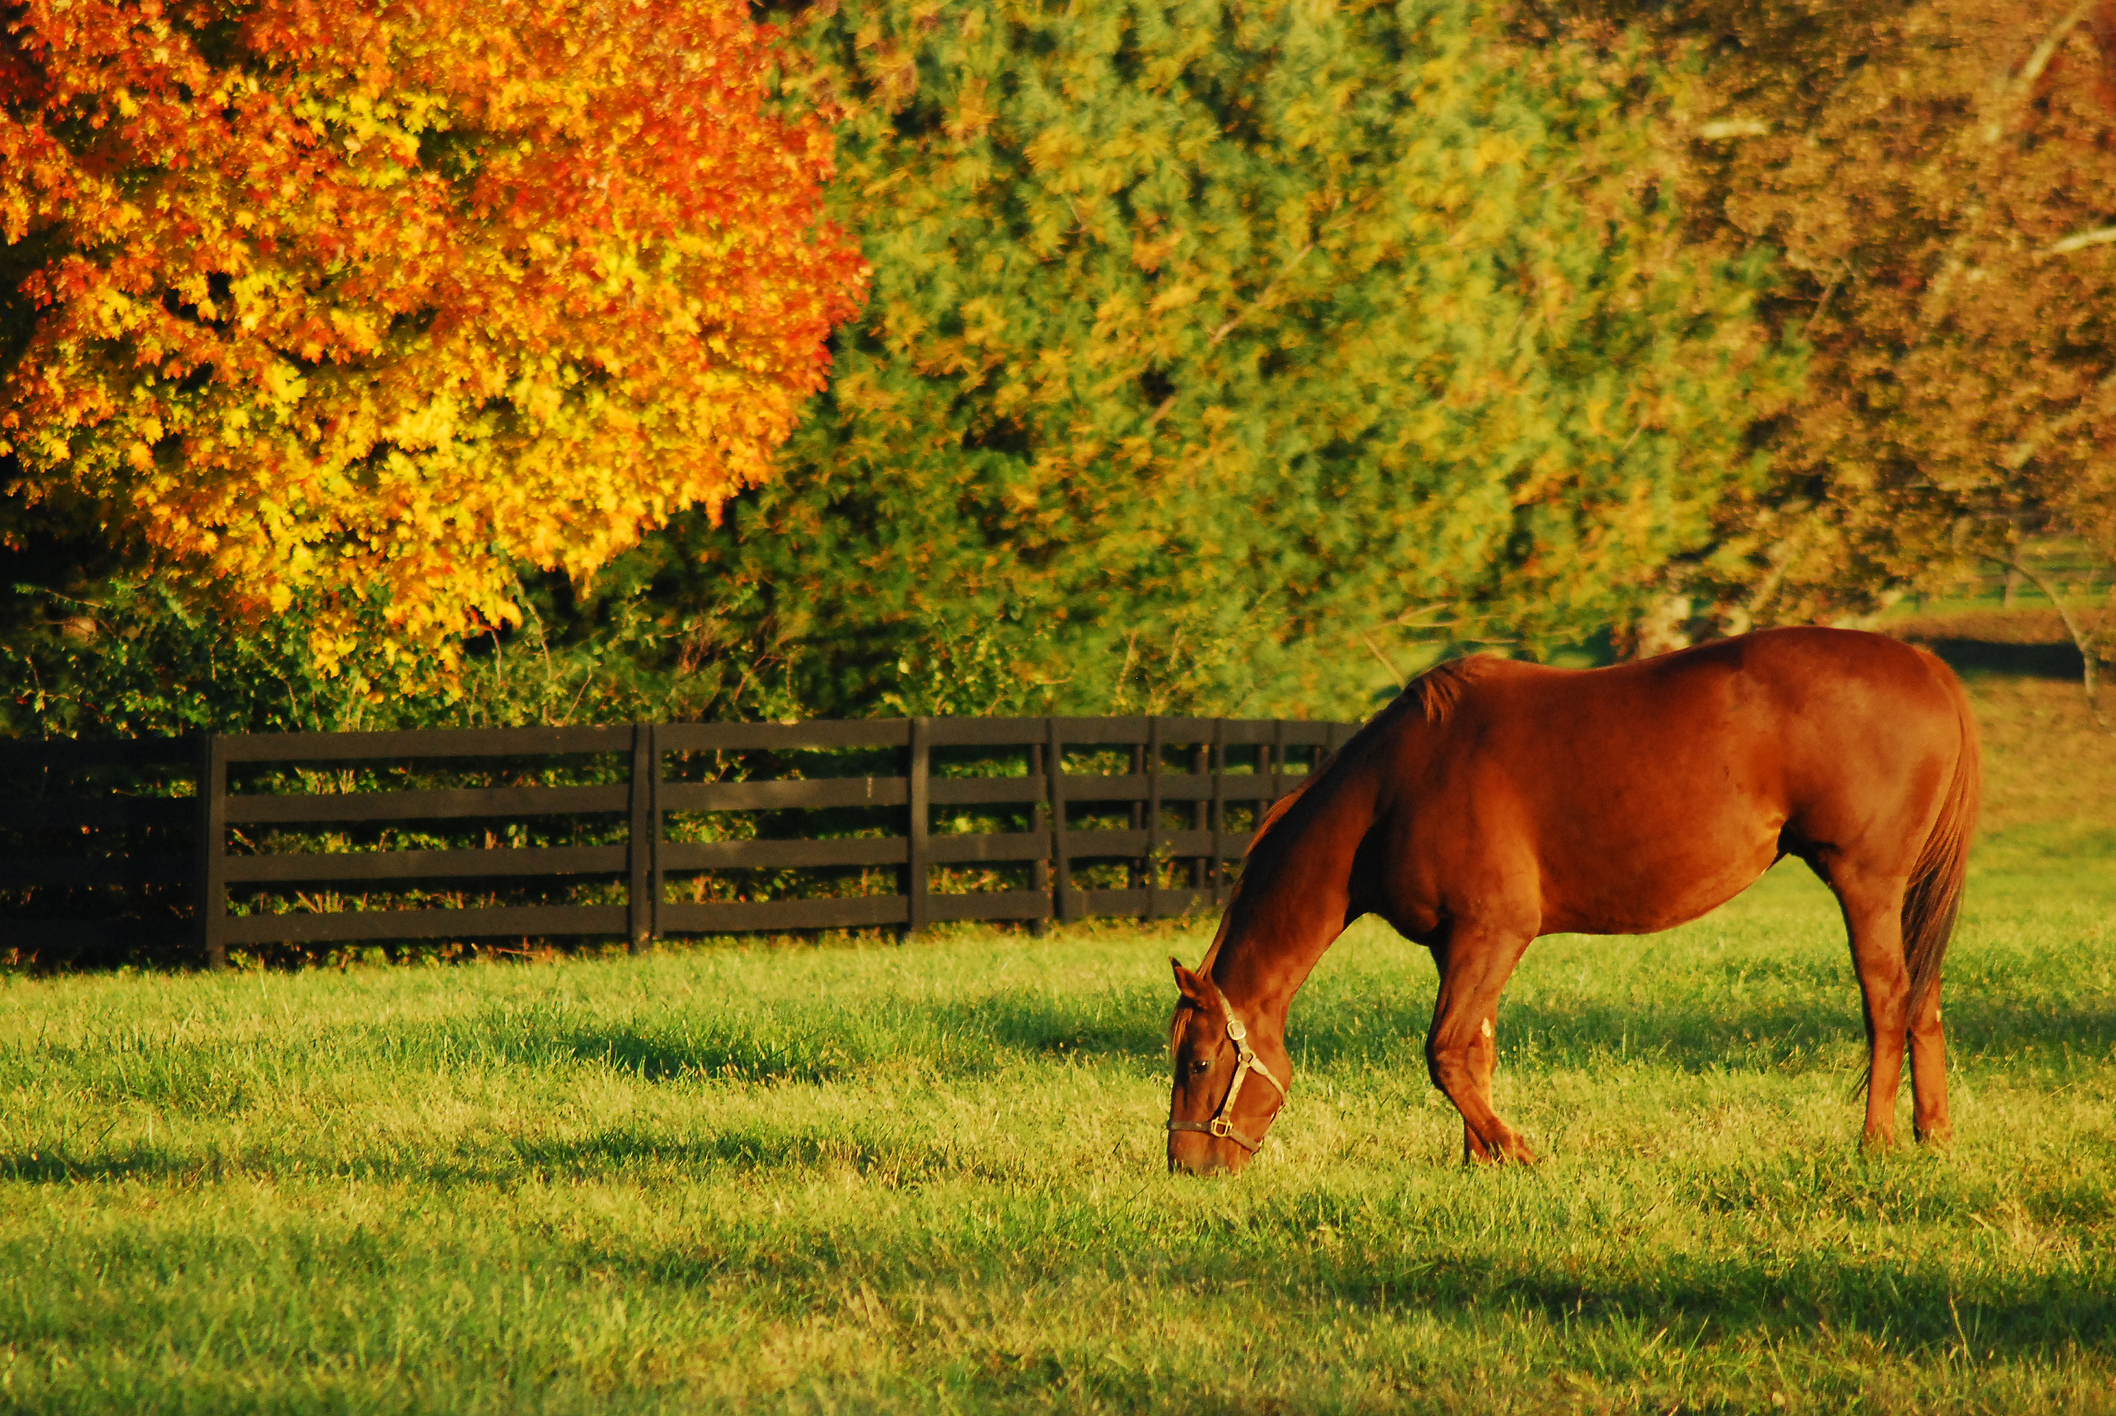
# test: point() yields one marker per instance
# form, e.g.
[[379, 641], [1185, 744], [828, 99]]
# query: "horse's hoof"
[[1512, 1152]]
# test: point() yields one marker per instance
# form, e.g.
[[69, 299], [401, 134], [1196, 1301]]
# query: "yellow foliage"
[[391, 302]]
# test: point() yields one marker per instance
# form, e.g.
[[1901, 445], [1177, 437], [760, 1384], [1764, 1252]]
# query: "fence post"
[[918, 798], [1200, 813], [642, 885], [1039, 870], [209, 887], [1153, 818], [1219, 811], [656, 888], [1061, 857]]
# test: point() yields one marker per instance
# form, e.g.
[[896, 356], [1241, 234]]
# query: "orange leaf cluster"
[[351, 301]]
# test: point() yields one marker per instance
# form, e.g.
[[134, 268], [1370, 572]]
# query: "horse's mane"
[[1433, 694], [1438, 689]]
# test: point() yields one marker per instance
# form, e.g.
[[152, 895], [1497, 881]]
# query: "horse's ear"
[[1196, 989]]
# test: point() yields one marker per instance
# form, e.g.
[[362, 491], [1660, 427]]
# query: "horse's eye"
[[1201, 1066]]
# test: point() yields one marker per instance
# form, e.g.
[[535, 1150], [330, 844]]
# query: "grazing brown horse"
[[1498, 801]]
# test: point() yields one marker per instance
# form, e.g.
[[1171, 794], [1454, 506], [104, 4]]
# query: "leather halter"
[[1246, 1061]]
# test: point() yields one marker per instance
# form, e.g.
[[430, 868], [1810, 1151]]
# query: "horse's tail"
[[1935, 892]]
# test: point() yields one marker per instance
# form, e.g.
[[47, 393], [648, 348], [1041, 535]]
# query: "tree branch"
[[2084, 239], [1827, 291], [1262, 295], [1394, 672], [2023, 85], [2081, 638], [2022, 452], [1168, 404], [2010, 98]]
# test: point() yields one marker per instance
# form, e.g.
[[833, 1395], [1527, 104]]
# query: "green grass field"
[[871, 1177]]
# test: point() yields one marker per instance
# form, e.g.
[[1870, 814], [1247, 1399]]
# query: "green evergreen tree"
[[1220, 356]]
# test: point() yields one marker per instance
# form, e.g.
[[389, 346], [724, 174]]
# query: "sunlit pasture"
[[930, 1177]]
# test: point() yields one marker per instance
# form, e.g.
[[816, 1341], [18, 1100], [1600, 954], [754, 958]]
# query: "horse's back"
[[1784, 703], [1846, 719], [1872, 734], [1643, 794]]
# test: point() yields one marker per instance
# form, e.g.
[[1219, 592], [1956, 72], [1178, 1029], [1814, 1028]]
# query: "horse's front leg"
[[1462, 1050]]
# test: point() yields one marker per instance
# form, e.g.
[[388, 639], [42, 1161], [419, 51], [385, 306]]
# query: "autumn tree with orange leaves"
[[1937, 182], [370, 306]]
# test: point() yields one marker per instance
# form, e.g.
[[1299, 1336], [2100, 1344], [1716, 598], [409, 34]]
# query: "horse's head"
[[1225, 1094]]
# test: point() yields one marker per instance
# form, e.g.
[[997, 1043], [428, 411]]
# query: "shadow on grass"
[[1330, 1031], [820, 1043], [54, 1165], [1791, 1020], [812, 1047], [655, 1056], [1909, 1307], [1691, 1038], [1912, 1306], [866, 1148]]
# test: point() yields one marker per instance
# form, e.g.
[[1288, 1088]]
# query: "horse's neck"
[[1291, 903]]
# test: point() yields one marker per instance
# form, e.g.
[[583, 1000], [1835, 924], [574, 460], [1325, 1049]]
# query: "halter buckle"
[[1221, 1126]]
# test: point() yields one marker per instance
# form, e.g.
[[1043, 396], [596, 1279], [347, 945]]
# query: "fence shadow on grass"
[[1921, 1313], [752, 1049], [1041, 1025], [654, 1055], [968, 1038], [862, 1148], [603, 1155], [819, 1043], [57, 1165]]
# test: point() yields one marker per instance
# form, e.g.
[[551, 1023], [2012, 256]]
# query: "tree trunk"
[[2074, 626]]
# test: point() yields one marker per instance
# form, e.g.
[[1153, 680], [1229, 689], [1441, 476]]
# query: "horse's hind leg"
[[1928, 1072], [1462, 1049], [1874, 919]]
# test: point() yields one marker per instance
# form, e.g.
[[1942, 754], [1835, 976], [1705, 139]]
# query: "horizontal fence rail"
[[661, 829]]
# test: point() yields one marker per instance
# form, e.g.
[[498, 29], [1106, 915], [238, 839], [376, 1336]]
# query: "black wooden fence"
[[662, 827]]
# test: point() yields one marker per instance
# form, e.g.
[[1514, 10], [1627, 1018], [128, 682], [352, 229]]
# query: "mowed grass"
[[874, 1178], [931, 1178]]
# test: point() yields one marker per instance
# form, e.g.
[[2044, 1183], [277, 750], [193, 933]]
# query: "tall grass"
[[930, 1178]]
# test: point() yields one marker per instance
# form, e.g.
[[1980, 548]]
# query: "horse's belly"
[[1639, 887]]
